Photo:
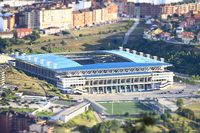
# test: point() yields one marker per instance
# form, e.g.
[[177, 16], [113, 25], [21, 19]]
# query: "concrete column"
[[132, 80], [125, 88], [119, 89], [112, 89], [91, 90], [119, 81], [132, 87], [105, 90]]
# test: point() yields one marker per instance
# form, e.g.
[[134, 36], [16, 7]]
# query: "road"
[[173, 92]]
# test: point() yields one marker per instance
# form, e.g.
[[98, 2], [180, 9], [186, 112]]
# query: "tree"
[[106, 126], [148, 120], [34, 36], [186, 113], [63, 42], [163, 117], [126, 114], [179, 102], [115, 125]]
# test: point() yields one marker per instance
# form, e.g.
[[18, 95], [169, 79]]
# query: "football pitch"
[[121, 107]]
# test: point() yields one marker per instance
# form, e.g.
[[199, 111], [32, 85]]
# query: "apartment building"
[[95, 15], [7, 22], [143, 9], [112, 12], [88, 18], [78, 19], [180, 8], [41, 18]]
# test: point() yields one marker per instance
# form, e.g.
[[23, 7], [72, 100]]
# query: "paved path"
[[168, 103], [126, 37], [99, 120]]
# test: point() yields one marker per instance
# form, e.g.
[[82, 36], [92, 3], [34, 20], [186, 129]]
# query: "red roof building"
[[23, 32]]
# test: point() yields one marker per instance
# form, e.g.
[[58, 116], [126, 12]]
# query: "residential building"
[[16, 3], [7, 22], [111, 13], [78, 19], [96, 72], [80, 4], [6, 35], [143, 9], [23, 32], [122, 6], [170, 9], [45, 17], [165, 36], [131, 9], [88, 17], [149, 10], [186, 37], [97, 15]]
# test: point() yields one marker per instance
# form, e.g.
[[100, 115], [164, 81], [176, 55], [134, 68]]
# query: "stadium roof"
[[133, 57], [53, 59], [61, 63]]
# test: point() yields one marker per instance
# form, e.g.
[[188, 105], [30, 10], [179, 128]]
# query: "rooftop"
[[103, 59]]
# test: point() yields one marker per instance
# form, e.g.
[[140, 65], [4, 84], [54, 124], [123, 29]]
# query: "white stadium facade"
[[97, 72]]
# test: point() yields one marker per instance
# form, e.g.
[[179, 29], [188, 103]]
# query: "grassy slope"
[[53, 42], [195, 108], [86, 119], [44, 114], [28, 85]]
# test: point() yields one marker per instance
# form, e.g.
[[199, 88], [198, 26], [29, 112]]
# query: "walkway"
[[97, 116], [137, 20]]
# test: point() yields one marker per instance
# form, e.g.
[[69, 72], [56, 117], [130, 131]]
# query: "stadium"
[[97, 72]]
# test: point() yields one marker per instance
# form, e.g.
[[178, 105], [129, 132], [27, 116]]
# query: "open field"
[[94, 38], [116, 27], [123, 107]]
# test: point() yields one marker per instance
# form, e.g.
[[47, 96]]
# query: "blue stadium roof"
[[63, 63], [133, 57], [112, 65], [60, 61]]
